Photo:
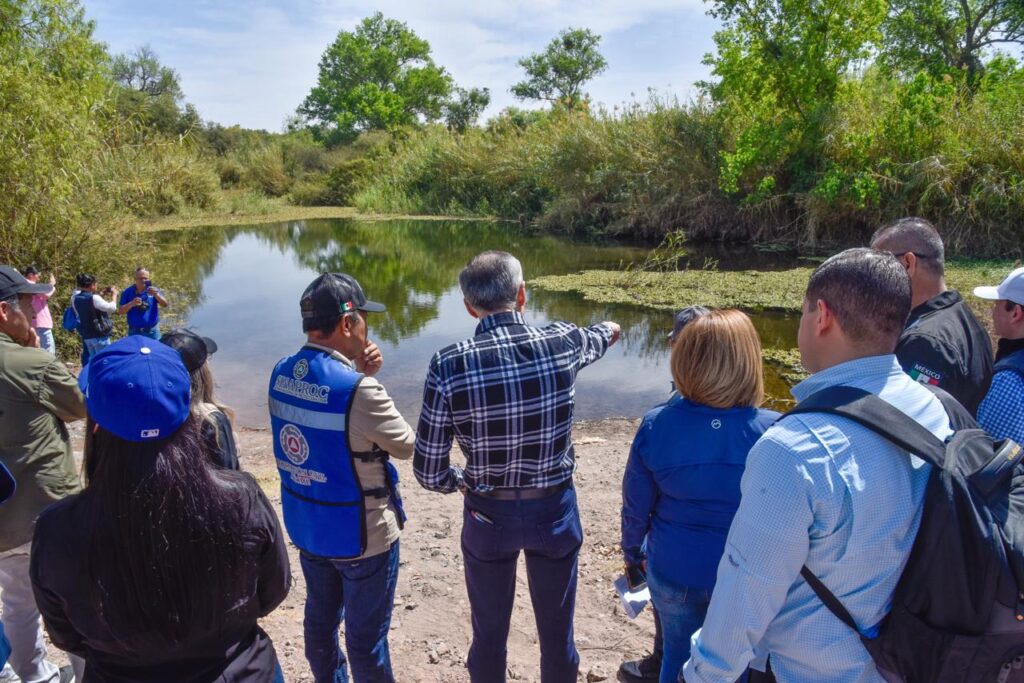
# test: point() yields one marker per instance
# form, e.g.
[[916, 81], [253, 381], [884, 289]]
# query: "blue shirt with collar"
[[823, 491], [137, 317], [681, 486]]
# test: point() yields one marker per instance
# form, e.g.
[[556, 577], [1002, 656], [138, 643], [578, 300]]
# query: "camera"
[[143, 305]]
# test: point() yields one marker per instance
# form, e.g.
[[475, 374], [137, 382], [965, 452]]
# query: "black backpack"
[[958, 609]]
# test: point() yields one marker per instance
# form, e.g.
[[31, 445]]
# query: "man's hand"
[[137, 301], [371, 361], [151, 290], [616, 331], [31, 340]]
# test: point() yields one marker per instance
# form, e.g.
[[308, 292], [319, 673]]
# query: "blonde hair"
[[716, 361], [203, 401]]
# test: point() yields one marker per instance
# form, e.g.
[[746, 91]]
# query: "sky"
[[252, 62]]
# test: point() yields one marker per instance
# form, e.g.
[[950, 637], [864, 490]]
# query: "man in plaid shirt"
[[507, 396]]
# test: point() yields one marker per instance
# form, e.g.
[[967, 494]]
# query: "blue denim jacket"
[[681, 487]]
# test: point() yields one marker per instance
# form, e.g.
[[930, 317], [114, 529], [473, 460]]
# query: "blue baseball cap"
[[137, 388], [7, 485]]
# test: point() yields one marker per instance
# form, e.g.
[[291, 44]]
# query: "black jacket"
[[235, 650], [944, 345]]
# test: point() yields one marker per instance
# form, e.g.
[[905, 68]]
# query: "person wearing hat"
[[160, 568], [37, 396], [1001, 412], [335, 429], [217, 431], [42, 320]]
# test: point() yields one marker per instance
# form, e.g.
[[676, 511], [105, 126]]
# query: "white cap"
[[1010, 289]]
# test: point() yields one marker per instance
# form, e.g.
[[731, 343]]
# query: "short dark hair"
[[84, 280], [31, 270], [916, 236], [868, 291], [491, 281]]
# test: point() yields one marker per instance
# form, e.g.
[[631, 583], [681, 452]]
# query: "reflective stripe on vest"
[[321, 497]]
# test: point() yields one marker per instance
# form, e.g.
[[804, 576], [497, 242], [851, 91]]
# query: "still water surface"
[[249, 280]]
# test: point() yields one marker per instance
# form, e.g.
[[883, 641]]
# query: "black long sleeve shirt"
[[235, 650]]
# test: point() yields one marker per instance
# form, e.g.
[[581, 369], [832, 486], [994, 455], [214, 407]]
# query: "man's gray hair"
[[913, 235], [491, 281]]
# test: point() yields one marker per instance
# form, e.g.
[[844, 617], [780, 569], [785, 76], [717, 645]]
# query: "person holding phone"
[[141, 303], [681, 486]]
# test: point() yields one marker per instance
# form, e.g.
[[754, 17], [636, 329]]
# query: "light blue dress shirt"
[[823, 491]]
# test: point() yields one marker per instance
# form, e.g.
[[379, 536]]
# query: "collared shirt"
[[374, 419], [945, 345], [1001, 413], [142, 319], [507, 395], [823, 491], [37, 396]]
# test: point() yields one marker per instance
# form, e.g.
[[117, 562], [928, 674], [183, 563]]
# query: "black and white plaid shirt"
[[507, 396]]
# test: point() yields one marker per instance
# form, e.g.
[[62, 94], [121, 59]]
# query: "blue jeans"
[[94, 346], [151, 332], [493, 534], [45, 335], [362, 592], [682, 610]]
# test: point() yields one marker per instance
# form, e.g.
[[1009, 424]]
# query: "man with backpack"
[[1001, 412], [93, 313], [825, 493]]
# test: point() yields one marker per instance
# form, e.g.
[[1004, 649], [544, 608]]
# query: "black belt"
[[524, 494]]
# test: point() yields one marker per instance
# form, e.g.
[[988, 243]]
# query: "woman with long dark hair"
[[160, 568]]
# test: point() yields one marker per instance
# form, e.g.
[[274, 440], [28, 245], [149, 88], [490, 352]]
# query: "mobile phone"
[[481, 517], [636, 578], [148, 283]]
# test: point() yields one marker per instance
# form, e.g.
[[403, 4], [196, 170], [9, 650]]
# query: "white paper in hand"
[[633, 602]]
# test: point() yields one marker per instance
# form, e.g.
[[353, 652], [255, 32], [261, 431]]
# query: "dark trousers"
[[362, 592], [548, 530], [659, 637]]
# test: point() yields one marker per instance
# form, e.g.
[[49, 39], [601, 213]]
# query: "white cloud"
[[253, 63]]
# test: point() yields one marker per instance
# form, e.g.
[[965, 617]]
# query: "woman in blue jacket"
[[682, 482]]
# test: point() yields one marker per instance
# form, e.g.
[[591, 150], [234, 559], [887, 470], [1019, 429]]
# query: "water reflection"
[[247, 281]]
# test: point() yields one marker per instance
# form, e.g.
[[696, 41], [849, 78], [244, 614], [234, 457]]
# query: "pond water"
[[247, 282]]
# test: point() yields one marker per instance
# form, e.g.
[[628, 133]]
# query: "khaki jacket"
[[37, 396]]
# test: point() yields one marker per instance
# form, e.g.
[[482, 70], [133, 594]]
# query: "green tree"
[[464, 109], [150, 92], [943, 36], [559, 73], [377, 77], [780, 65]]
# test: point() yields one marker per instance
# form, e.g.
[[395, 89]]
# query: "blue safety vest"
[[321, 497]]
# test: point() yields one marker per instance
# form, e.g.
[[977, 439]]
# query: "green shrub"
[[266, 172]]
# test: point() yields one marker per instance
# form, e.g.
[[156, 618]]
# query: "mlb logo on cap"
[[137, 388]]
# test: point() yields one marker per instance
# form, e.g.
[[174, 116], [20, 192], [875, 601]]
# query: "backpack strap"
[[879, 416], [890, 423], [828, 597]]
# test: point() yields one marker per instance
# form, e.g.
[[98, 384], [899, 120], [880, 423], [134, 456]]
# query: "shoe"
[[644, 669], [67, 674]]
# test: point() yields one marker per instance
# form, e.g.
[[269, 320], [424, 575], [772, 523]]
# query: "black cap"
[[332, 294], [684, 317], [12, 282], [7, 485], [194, 350]]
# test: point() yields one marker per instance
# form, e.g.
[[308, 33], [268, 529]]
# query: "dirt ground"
[[430, 629]]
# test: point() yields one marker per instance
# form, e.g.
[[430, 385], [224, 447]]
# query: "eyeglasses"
[[928, 257]]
